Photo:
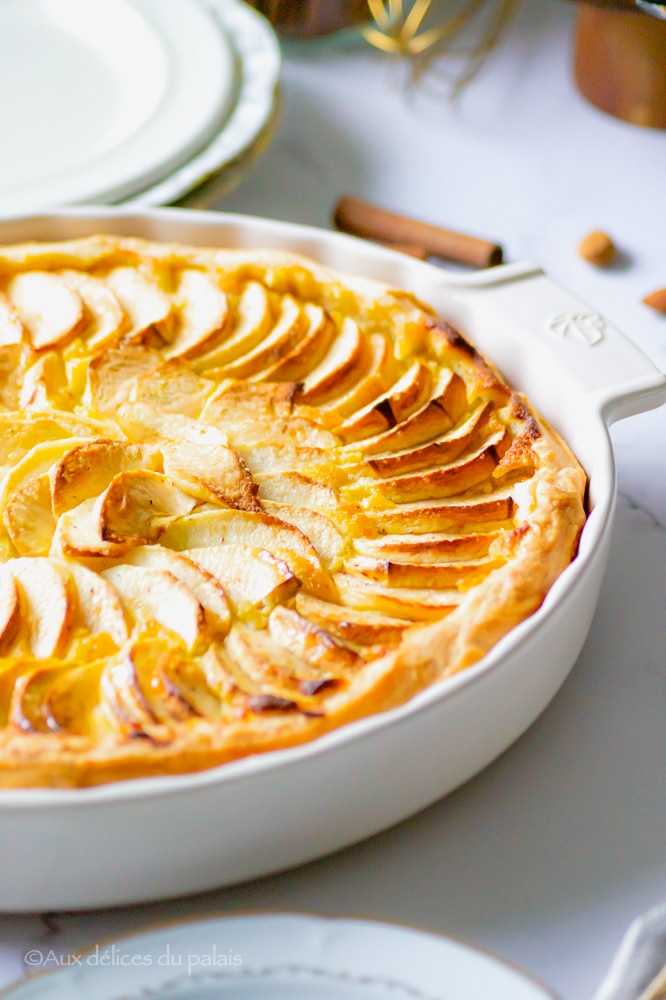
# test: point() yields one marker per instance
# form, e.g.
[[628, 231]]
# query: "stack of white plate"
[[148, 102]]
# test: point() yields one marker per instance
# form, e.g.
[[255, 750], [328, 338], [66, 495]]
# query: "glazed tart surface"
[[246, 500]]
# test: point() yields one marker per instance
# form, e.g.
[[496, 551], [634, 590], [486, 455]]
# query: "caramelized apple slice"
[[254, 579], [238, 402], [78, 534], [46, 609], [292, 487], [443, 480], [206, 588], [72, 698], [290, 328], [172, 388], [35, 463], [372, 383], [434, 575], [27, 704], [86, 470], [306, 355], [156, 663], [445, 448], [360, 628], [395, 406], [266, 459], [323, 534], [426, 515], [111, 376], [259, 531], [428, 547], [256, 413], [49, 309], [311, 643], [143, 301], [138, 505], [211, 472], [12, 330], [342, 365], [157, 595], [124, 703], [10, 609], [28, 518], [254, 318], [413, 604], [104, 316], [200, 315], [98, 603], [277, 672], [436, 417]]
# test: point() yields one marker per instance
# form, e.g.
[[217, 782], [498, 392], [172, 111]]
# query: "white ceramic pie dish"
[[159, 837]]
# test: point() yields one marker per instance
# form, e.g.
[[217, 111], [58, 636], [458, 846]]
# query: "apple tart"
[[246, 500]]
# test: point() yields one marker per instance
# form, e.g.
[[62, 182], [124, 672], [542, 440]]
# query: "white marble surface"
[[547, 856]]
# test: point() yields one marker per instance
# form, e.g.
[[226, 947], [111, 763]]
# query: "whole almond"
[[656, 300], [597, 248]]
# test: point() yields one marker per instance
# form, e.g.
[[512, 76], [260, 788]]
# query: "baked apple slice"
[[10, 609], [104, 318], [306, 354], [199, 315], [137, 505], [494, 509], [444, 480], [379, 375], [438, 415], [254, 319], [86, 469], [157, 595], [311, 643], [206, 588], [250, 530], [12, 330], [28, 518], [445, 448], [435, 575], [341, 366], [46, 607], [428, 547], [49, 309], [360, 628], [412, 603], [211, 472], [290, 328], [99, 607], [253, 579], [142, 300], [393, 407]]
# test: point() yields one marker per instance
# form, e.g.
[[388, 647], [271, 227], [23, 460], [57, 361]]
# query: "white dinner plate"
[[275, 957], [103, 99], [248, 127]]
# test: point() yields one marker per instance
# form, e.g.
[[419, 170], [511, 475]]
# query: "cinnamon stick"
[[411, 249], [370, 222]]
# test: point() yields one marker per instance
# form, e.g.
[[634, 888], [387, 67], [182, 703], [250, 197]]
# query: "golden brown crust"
[[245, 501]]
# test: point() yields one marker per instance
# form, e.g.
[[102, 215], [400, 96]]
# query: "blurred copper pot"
[[620, 62]]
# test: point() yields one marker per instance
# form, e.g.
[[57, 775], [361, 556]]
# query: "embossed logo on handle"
[[585, 328]]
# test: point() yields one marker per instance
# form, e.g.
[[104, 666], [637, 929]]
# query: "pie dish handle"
[[617, 376]]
